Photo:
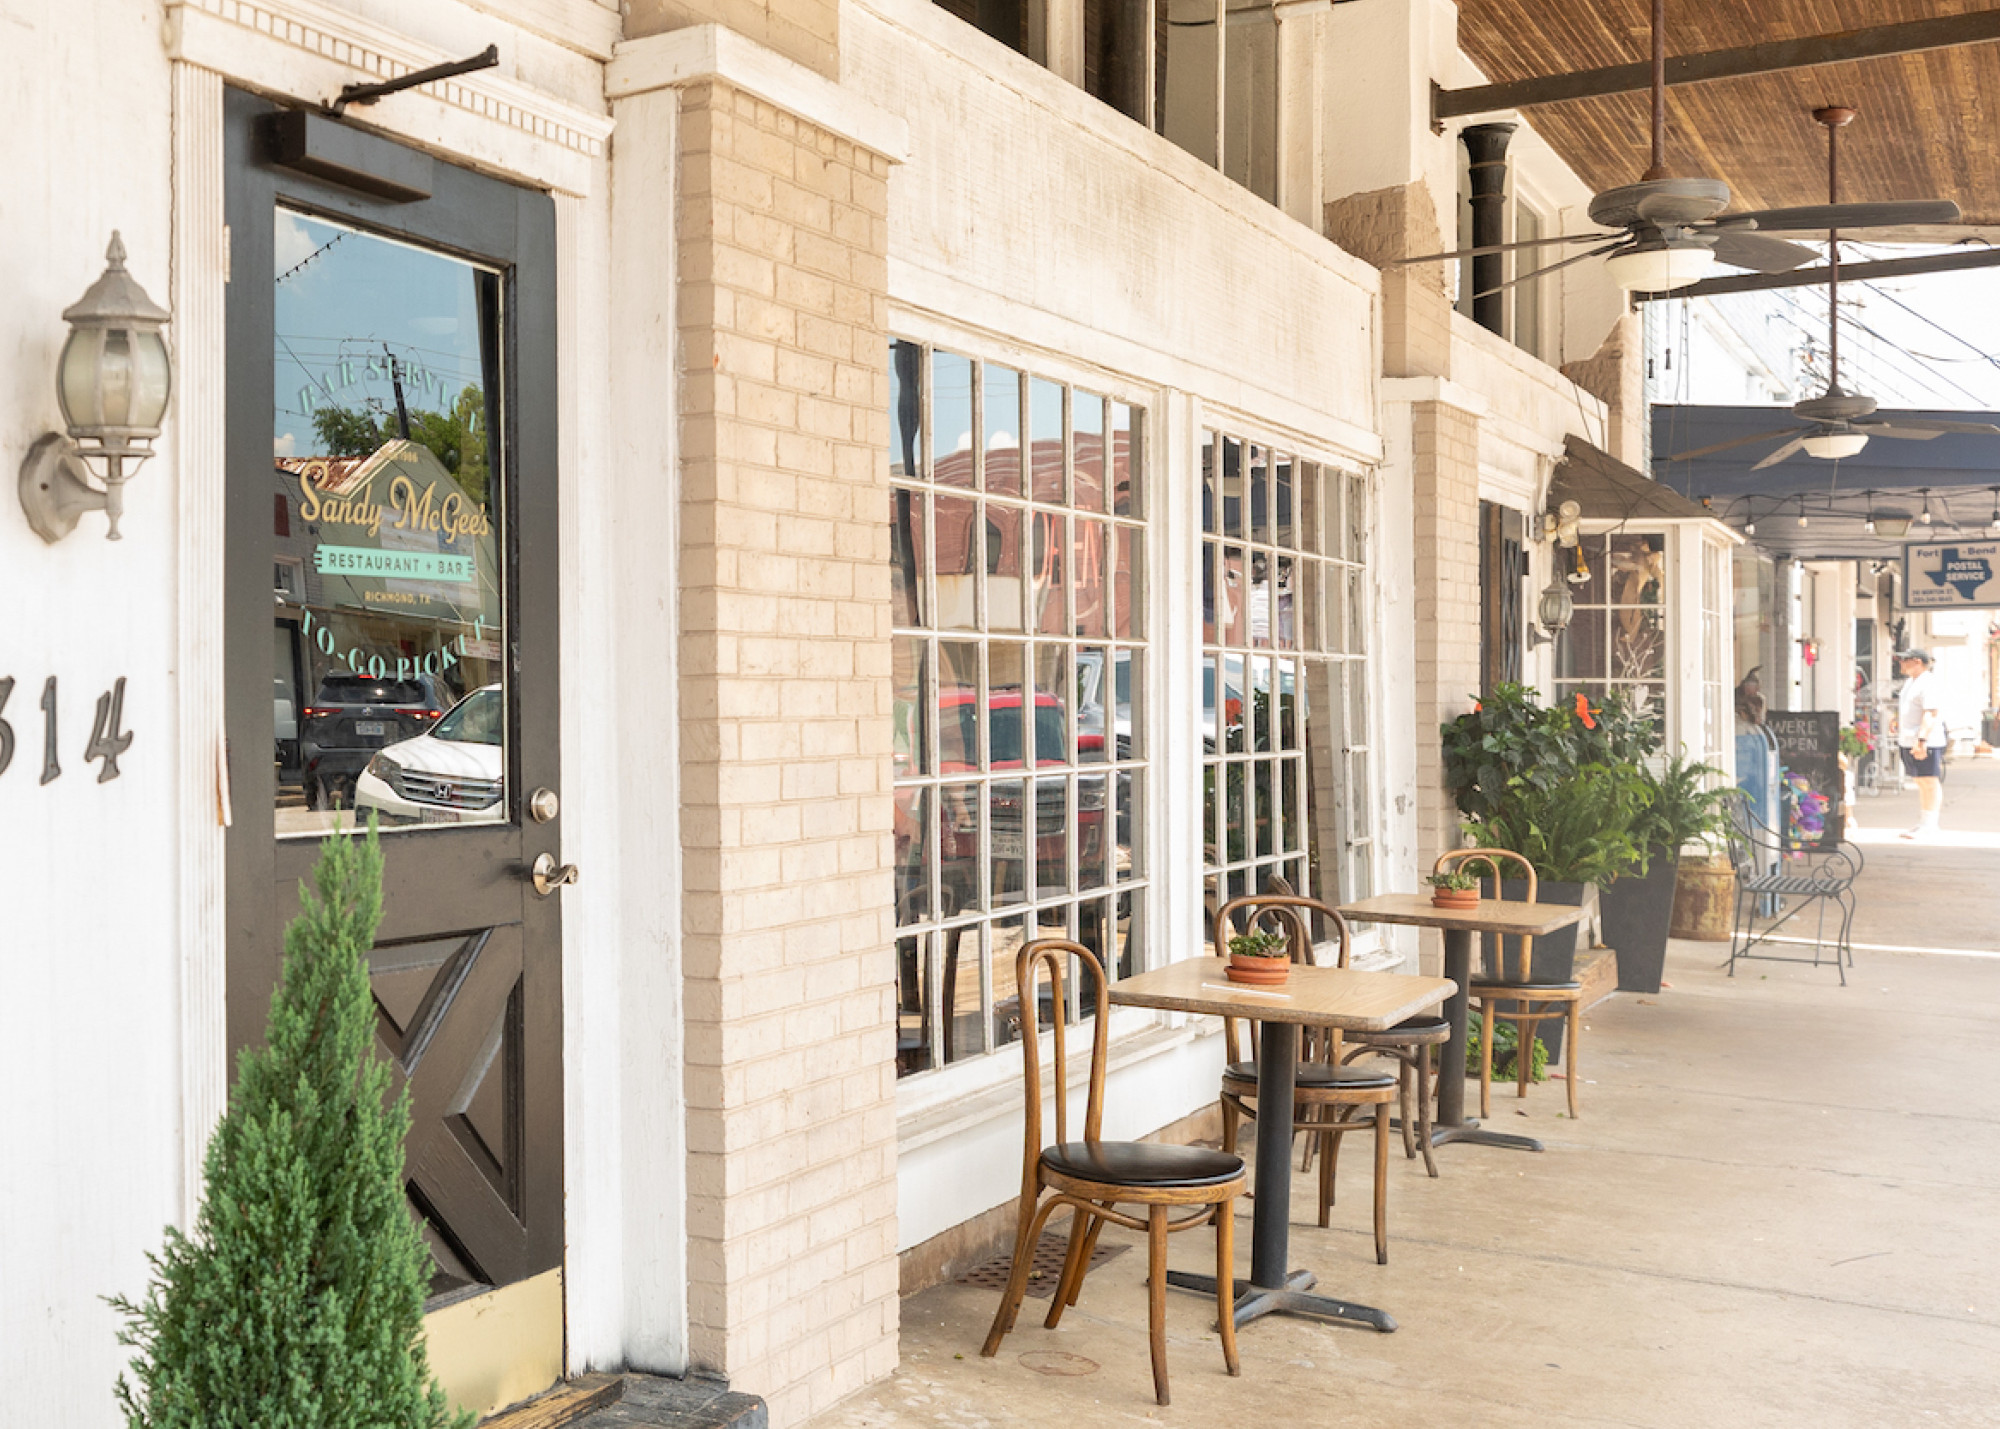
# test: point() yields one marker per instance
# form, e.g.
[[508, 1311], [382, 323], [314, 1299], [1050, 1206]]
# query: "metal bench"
[[1777, 880]]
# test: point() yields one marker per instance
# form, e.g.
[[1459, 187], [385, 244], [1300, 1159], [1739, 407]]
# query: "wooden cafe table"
[[1516, 919], [1311, 997]]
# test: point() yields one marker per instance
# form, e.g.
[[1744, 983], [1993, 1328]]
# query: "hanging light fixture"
[[1802, 511], [112, 382], [1661, 266], [1831, 446], [1925, 517]]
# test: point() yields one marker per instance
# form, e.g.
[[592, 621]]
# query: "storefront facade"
[[765, 470]]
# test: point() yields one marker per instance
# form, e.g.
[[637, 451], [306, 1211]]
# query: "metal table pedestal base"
[[1470, 1130], [1254, 1302]]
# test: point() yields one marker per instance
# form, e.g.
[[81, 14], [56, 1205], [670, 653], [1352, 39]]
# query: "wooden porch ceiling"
[[1928, 126]]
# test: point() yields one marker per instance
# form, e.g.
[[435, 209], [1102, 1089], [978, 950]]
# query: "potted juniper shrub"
[[1457, 889], [296, 1300], [1259, 958]]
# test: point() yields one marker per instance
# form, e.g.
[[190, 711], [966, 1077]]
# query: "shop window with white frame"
[[1617, 638], [1288, 771], [1017, 575]]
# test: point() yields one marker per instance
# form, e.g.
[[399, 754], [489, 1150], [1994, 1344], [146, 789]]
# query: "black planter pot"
[[1553, 956], [1637, 915]]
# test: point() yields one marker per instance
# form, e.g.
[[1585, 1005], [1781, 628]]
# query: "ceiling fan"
[[1838, 423], [1671, 231]]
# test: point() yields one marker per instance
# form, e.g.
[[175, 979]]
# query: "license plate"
[[1008, 843], [437, 816], [371, 726]]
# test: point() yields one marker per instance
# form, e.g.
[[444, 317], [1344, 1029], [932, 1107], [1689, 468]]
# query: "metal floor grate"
[[1046, 1268]]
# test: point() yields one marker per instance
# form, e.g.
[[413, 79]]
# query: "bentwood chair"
[[1409, 1043], [1511, 996], [1328, 1096], [1093, 1176]]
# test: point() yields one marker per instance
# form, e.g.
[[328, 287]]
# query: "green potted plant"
[[1457, 889], [1575, 834], [1259, 958], [1562, 786], [1682, 807]]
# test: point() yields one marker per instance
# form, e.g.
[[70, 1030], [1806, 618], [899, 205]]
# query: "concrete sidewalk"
[[1781, 1206]]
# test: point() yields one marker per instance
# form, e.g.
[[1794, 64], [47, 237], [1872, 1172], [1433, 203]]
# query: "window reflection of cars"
[[284, 722], [350, 718], [450, 774], [959, 821]]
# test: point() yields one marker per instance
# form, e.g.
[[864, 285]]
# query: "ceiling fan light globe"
[[1831, 446], [1660, 269]]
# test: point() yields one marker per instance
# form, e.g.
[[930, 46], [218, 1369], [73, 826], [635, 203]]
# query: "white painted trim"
[[920, 1097], [305, 50], [592, 1214], [700, 54], [641, 583], [586, 26], [1000, 1097], [200, 250], [1435, 389], [927, 295], [1177, 519]]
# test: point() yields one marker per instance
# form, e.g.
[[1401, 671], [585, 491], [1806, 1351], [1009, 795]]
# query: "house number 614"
[[108, 738]]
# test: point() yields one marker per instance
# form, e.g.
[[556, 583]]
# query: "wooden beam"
[[1809, 277], [1943, 32]]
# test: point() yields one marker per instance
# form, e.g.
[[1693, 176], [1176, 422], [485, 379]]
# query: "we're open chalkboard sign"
[[1811, 789]]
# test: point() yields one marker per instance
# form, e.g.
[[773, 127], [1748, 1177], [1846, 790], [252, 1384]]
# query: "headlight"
[[388, 771]]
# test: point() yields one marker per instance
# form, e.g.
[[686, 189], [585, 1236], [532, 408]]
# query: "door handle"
[[547, 875]]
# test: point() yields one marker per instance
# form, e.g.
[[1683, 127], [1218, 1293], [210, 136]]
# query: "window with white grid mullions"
[[1017, 573], [1287, 769], [1617, 637]]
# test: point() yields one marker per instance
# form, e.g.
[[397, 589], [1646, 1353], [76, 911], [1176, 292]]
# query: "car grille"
[[449, 791]]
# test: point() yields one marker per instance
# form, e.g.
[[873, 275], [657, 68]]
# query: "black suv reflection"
[[350, 718]]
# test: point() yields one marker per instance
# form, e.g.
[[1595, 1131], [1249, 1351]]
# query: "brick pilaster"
[[1445, 461], [785, 731], [1416, 303]]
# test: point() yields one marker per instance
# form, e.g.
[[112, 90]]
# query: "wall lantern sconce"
[[1553, 610], [113, 380]]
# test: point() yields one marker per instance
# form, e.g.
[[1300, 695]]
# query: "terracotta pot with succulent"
[[1454, 890], [1259, 958]]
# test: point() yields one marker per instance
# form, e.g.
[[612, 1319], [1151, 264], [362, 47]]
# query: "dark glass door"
[[392, 639]]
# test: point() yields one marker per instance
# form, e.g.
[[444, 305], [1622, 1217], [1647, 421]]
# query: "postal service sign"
[[1960, 575]]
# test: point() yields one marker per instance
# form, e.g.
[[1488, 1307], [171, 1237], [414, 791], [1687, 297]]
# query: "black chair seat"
[[1320, 1077], [1142, 1163], [1410, 1029]]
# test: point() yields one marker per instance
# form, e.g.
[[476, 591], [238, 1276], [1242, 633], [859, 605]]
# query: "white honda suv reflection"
[[450, 774]]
